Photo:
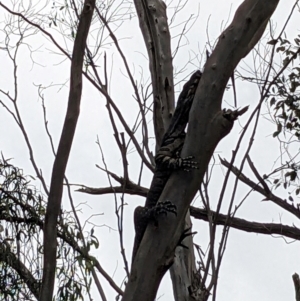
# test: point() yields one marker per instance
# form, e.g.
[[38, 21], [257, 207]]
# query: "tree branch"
[[220, 219], [297, 286], [68, 238], [10, 259], [244, 225], [129, 188], [64, 147], [268, 194], [154, 26]]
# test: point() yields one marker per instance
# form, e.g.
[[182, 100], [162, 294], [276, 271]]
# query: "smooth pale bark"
[[207, 126], [154, 26], [155, 29], [184, 274]]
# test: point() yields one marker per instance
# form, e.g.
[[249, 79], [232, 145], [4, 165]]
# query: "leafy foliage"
[[285, 96], [22, 211], [284, 101]]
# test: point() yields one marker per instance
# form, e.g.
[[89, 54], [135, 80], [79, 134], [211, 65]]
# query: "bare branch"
[[259, 178], [244, 225], [268, 195], [99, 86], [130, 188], [64, 147]]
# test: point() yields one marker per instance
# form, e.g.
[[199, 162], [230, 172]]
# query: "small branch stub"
[[297, 286]]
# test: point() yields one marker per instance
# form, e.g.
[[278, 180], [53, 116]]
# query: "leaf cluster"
[[285, 94], [22, 212]]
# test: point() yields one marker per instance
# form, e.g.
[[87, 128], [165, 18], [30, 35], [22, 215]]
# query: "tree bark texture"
[[208, 126], [64, 147], [154, 26], [184, 275]]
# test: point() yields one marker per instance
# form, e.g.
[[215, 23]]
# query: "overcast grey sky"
[[255, 267]]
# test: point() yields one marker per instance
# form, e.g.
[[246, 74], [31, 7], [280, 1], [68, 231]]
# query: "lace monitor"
[[167, 160]]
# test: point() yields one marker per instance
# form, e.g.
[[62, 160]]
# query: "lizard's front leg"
[[144, 215]]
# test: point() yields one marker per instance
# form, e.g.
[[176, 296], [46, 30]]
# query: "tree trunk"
[[208, 126]]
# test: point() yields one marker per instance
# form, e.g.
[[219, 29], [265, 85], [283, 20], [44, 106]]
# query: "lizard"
[[167, 160]]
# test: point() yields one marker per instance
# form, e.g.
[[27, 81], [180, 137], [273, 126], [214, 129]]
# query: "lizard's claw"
[[187, 163], [164, 208]]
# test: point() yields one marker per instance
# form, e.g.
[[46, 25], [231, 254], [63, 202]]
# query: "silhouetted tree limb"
[[63, 151], [244, 225], [220, 219], [297, 286], [68, 238], [11, 259], [130, 188]]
